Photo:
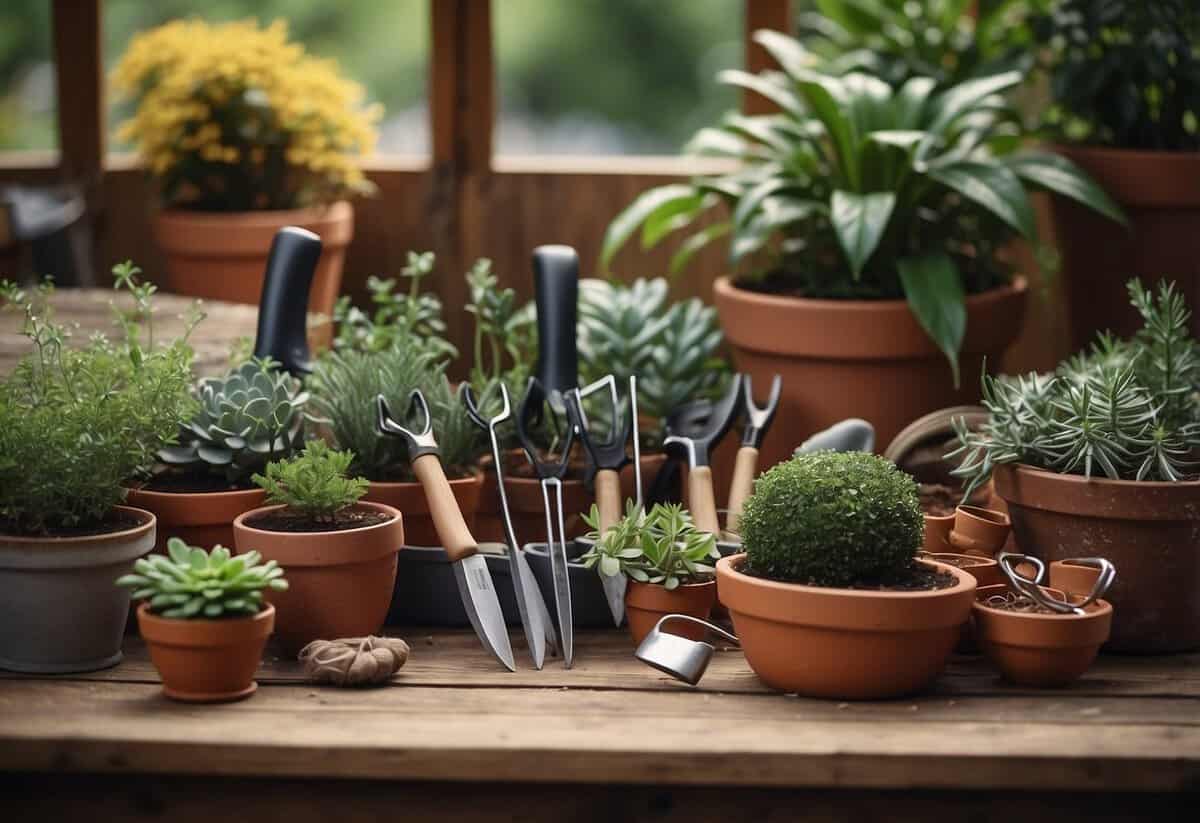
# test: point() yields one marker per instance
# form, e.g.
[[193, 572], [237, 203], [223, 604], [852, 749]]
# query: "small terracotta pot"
[[1040, 649], [647, 603], [979, 532], [339, 583], [206, 661], [223, 255], [858, 358], [409, 499], [1148, 530], [1072, 578], [203, 519], [985, 570], [937, 533], [843, 643]]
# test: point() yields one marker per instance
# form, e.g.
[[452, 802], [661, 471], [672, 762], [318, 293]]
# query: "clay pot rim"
[[963, 582], [1095, 610], [147, 518], [476, 476], [1080, 480], [939, 518], [334, 210], [1121, 154], [976, 562], [239, 522], [230, 495], [726, 286], [227, 625], [991, 517]]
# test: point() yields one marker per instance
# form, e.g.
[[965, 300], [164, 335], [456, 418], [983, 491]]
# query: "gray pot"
[[426, 593], [60, 608]]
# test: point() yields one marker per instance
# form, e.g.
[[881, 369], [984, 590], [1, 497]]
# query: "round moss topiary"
[[832, 519]]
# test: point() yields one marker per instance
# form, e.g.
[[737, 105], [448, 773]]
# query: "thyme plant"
[[314, 483]]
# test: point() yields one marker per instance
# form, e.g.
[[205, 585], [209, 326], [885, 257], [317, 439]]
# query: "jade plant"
[[662, 546], [1126, 409], [189, 583], [834, 519], [314, 484]]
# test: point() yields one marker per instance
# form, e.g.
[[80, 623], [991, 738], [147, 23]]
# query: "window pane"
[[612, 76], [382, 45], [28, 114]]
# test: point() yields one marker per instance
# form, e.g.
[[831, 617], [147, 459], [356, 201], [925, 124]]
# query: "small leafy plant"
[[192, 584], [832, 519], [662, 546], [314, 483]]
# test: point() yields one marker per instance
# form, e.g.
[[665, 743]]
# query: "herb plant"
[[191, 584], [662, 546], [858, 190], [314, 483], [77, 423], [832, 519], [1127, 409]]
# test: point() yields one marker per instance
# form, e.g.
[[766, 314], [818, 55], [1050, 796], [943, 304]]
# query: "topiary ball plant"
[[832, 519]]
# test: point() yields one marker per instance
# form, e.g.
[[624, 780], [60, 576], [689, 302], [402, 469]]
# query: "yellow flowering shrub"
[[233, 117]]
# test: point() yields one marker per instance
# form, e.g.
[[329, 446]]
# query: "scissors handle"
[[744, 469], [608, 497], [701, 500], [451, 529]]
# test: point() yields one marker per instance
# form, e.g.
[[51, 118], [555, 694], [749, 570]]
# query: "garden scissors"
[[746, 465], [693, 440], [283, 306]]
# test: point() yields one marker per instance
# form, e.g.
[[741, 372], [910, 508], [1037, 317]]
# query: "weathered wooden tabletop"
[[1132, 724]]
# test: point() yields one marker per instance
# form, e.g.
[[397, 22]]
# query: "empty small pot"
[[1073, 577], [978, 531], [937, 533], [647, 603]]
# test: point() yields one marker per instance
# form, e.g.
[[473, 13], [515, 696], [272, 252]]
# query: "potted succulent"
[[1102, 453], [340, 552], [75, 422], [828, 600], [244, 134], [869, 226], [245, 419], [668, 561], [1125, 85], [204, 619]]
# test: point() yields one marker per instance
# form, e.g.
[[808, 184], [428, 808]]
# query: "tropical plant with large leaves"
[[857, 189]]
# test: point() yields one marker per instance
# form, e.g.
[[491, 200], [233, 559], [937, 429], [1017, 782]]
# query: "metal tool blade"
[[614, 592], [560, 572], [540, 628], [483, 607]]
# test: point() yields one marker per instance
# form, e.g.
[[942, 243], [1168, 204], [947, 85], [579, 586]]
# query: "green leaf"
[[670, 216], [771, 85], [626, 223], [1060, 175], [688, 248], [934, 290], [609, 566], [993, 186], [860, 221], [958, 100], [825, 96], [788, 52]]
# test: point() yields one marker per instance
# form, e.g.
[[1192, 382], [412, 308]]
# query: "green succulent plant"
[[662, 546], [314, 483], [249, 417], [189, 583], [832, 519]]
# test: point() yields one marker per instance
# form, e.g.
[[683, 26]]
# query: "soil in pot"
[[647, 603], [60, 610], [206, 661], [339, 582]]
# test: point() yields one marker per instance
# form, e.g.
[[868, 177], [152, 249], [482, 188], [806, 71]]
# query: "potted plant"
[[204, 619], [1102, 453], [245, 419], [340, 553], [668, 562], [244, 134], [828, 600], [870, 225], [1125, 84], [75, 422]]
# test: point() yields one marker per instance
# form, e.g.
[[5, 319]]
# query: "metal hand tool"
[[1028, 586], [470, 569], [283, 305], [696, 445], [682, 658], [746, 466]]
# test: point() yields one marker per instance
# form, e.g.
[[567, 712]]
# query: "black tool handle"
[[283, 307], [556, 287]]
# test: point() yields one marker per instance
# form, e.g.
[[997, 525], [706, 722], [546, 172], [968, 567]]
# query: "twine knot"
[[354, 661]]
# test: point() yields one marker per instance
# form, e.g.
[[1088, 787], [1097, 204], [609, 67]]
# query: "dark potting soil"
[[282, 521], [938, 500], [960, 562], [118, 522], [187, 483], [1013, 602], [914, 578]]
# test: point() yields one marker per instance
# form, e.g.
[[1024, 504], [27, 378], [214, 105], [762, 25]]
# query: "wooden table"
[[456, 737]]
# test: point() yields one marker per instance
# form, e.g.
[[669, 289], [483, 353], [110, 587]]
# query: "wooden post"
[[763, 14]]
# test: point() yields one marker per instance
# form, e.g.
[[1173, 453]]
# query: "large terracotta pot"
[[843, 643], [1160, 194], [60, 608], [858, 358], [223, 255], [647, 603], [1149, 531], [203, 519], [339, 583], [206, 661], [410, 500]]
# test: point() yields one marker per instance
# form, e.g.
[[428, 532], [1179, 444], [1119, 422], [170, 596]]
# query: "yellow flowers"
[[233, 117]]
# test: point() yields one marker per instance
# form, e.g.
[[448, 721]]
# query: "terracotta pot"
[[1160, 194], [203, 519], [1072, 578], [985, 570], [647, 603], [937, 533], [843, 643], [60, 610], [858, 358], [978, 531], [409, 499], [206, 661], [223, 255], [1040, 649], [1149, 531], [339, 583]]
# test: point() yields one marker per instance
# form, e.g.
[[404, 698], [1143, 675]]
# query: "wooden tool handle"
[[744, 469], [608, 498], [701, 500], [447, 517]]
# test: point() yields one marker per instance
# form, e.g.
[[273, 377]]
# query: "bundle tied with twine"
[[354, 661]]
